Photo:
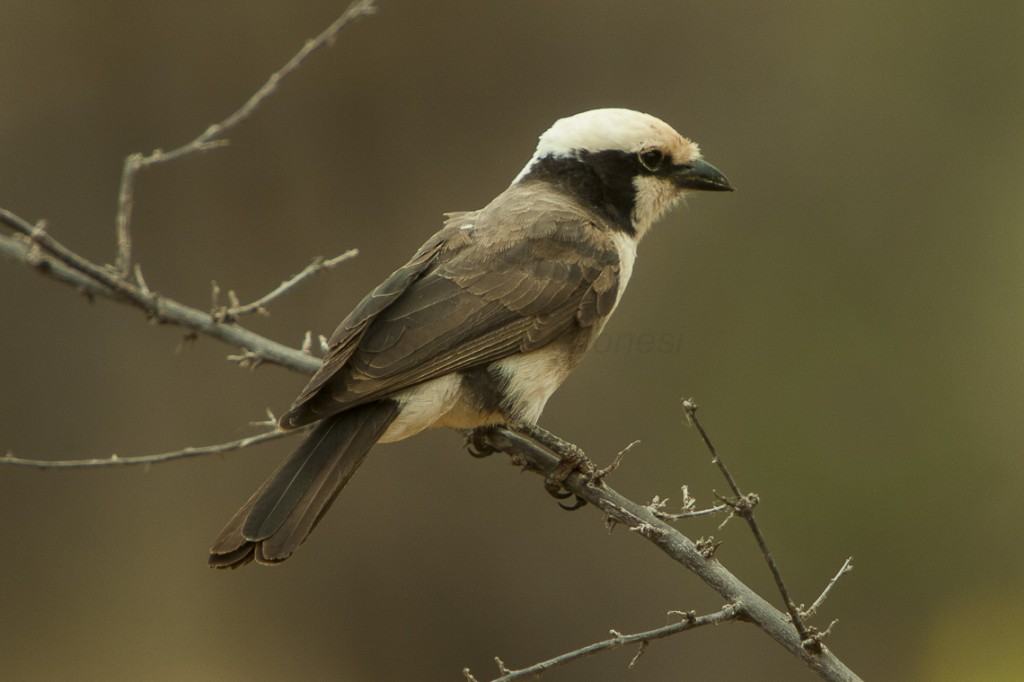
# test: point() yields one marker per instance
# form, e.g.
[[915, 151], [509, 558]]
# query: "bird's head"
[[627, 165]]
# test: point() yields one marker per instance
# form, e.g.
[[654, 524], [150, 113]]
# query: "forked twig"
[[159, 458], [618, 640], [213, 136], [232, 312], [743, 506]]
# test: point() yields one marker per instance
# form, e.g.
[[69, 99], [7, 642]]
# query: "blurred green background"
[[849, 320]]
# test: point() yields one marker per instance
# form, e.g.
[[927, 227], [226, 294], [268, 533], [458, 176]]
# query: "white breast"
[[626, 247], [533, 377]]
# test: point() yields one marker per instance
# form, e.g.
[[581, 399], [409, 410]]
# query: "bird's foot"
[[571, 459], [477, 444]]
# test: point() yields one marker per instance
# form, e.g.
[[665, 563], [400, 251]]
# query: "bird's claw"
[[572, 459], [477, 445], [554, 487], [555, 490], [580, 502]]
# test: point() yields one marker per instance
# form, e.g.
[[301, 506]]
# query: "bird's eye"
[[651, 159]]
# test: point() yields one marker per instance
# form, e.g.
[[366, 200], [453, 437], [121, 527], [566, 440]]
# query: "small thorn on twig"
[[212, 144], [325, 345], [690, 409], [468, 675], [270, 421], [742, 505], [657, 505], [502, 668], [707, 547], [689, 502], [815, 639], [307, 343], [687, 511], [600, 474], [639, 652], [248, 359], [688, 616], [140, 281]]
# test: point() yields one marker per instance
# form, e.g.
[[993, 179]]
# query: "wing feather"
[[470, 296]]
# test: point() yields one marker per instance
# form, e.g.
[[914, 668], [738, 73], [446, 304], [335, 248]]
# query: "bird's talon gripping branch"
[[555, 490], [572, 460], [477, 444], [580, 502]]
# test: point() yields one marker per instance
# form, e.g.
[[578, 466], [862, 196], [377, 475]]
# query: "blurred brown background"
[[849, 320]]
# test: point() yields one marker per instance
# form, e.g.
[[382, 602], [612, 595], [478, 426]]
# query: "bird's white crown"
[[612, 129]]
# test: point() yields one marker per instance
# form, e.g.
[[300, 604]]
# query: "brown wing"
[[473, 294], [346, 337]]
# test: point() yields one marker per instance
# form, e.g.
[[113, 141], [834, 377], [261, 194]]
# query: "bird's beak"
[[701, 175]]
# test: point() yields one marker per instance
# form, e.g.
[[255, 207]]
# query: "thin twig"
[[38, 235], [600, 474], [118, 461], [233, 312], [63, 265], [687, 511], [212, 136], [641, 519], [743, 506], [690, 621], [696, 513], [843, 570]]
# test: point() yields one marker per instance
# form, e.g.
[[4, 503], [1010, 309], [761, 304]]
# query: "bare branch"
[[235, 310], [640, 519], [27, 253], [743, 506], [117, 461], [690, 621], [213, 136], [125, 204], [843, 570], [65, 266], [38, 235], [248, 359]]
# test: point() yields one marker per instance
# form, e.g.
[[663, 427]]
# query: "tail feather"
[[279, 516]]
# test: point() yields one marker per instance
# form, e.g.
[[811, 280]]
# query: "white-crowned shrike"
[[484, 322]]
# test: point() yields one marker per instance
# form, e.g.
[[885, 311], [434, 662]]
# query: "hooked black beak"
[[701, 175]]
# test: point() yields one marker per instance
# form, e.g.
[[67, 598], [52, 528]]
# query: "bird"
[[484, 322]]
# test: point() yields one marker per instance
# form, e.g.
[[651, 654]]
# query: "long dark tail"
[[286, 508]]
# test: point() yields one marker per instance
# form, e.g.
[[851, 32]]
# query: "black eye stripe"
[[651, 159]]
